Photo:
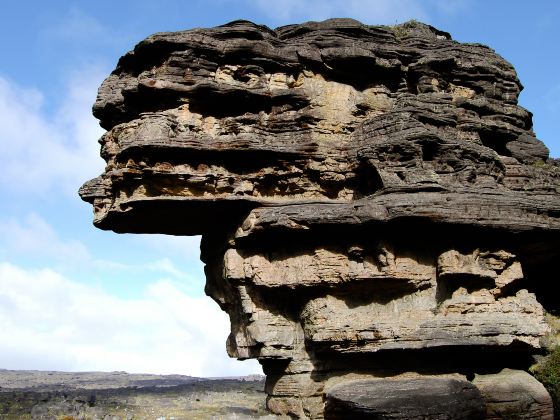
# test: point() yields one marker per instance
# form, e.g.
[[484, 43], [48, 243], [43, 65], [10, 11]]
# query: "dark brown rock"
[[331, 111], [372, 199], [409, 398]]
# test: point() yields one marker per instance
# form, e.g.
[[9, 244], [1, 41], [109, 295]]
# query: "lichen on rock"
[[373, 203]]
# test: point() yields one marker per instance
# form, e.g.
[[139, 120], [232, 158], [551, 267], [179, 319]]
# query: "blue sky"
[[76, 298]]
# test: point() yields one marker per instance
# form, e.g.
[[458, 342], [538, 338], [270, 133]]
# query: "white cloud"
[[161, 266], [34, 236], [42, 154], [186, 247], [48, 321], [75, 28]]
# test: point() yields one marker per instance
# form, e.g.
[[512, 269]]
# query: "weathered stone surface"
[[410, 398], [513, 394], [331, 111], [371, 199]]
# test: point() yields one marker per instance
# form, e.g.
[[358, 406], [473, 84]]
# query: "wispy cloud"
[[77, 30], [159, 267], [76, 26], [41, 154], [184, 247], [48, 321], [32, 235]]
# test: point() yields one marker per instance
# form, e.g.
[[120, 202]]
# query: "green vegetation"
[[551, 165], [547, 370], [401, 30], [548, 373]]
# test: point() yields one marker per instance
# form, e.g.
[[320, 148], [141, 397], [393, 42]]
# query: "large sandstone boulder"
[[426, 398], [372, 199], [513, 394]]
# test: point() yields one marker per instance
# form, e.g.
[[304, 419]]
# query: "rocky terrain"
[[378, 218], [121, 396]]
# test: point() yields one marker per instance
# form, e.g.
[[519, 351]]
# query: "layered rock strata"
[[373, 203]]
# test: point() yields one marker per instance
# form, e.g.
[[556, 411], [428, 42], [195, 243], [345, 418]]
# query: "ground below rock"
[[123, 396]]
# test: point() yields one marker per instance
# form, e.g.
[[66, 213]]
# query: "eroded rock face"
[[373, 202]]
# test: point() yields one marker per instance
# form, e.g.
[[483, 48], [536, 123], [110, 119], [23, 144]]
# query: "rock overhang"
[[244, 114]]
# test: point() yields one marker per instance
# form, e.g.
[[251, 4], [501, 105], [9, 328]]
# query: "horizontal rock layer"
[[372, 199]]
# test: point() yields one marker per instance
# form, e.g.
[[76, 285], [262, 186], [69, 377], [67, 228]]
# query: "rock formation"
[[376, 212]]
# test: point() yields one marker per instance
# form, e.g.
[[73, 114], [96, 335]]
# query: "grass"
[[547, 370], [401, 30], [548, 373], [551, 165]]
